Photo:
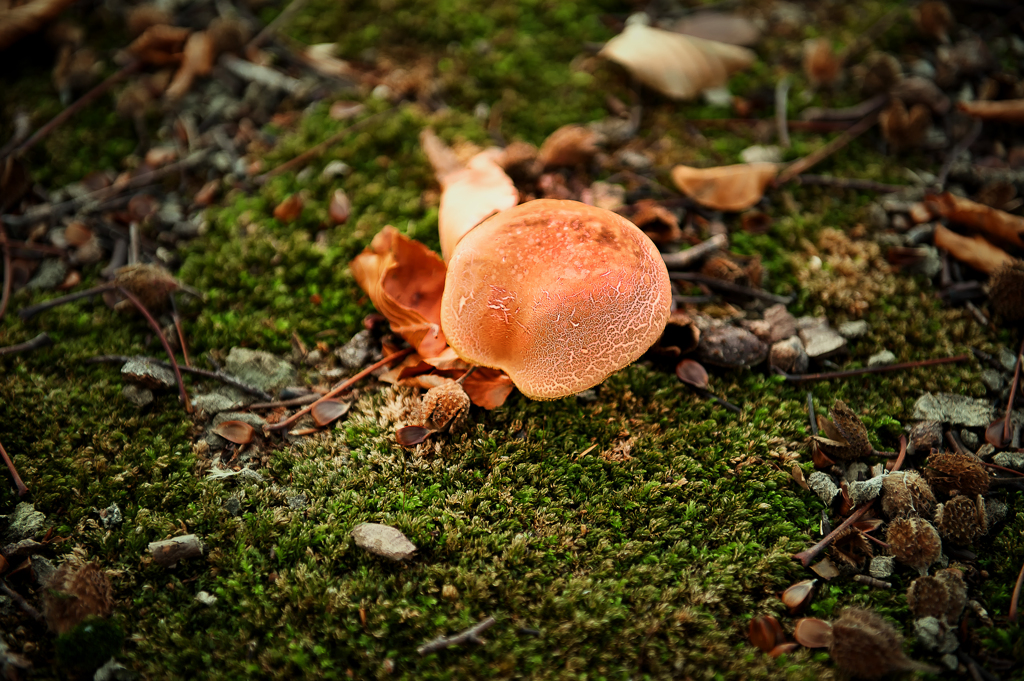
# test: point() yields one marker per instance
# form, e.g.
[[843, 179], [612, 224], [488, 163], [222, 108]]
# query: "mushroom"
[[557, 294]]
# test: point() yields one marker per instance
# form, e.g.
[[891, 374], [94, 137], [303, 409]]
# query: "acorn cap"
[[914, 541], [906, 494], [1006, 291], [950, 473], [962, 519], [867, 646], [75, 591]]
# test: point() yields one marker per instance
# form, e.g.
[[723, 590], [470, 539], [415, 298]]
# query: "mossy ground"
[[594, 566]]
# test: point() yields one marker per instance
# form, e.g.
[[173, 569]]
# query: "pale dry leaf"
[[383, 540], [322, 57], [405, 280], [1005, 110], [676, 65], [735, 188], [196, 60], [812, 632], [719, 26], [328, 411], [570, 145], [239, 432], [27, 18], [975, 251], [470, 195], [1002, 226]]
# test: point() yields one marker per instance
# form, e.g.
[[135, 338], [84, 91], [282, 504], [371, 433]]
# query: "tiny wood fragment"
[[472, 635], [168, 552]]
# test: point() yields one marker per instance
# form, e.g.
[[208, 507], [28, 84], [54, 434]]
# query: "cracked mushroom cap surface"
[[558, 294]]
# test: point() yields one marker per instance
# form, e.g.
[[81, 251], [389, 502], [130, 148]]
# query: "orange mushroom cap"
[[558, 294]]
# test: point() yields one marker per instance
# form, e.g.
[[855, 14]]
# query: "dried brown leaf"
[[27, 18], [734, 188], [570, 145], [765, 632], [328, 411], [239, 432], [975, 251], [290, 209], [798, 596], [904, 129], [405, 281], [410, 436], [676, 65], [488, 388], [825, 569], [196, 60], [159, 45], [692, 373]]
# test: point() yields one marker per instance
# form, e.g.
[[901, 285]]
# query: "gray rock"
[[50, 275], [224, 398], [731, 346], [970, 439], [206, 598], [383, 540], [820, 339], [358, 352], [858, 470], [233, 506], [1014, 460], [114, 671], [985, 452], [259, 369], [995, 511], [929, 266], [882, 358], [781, 323], [44, 570], [633, 160], [934, 635], [24, 523], [1007, 359], [882, 566], [855, 329], [955, 409], [994, 380], [250, 477], [145, 372], [137, 395], [789, 355], [111, 517], [335, 169], [920, 234]]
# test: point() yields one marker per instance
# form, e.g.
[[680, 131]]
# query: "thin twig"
[[274, 26], [1003, 469], [341, 387], [83, 101], [294, 402], [1015, 598], [22, 489], [472, 635], [849, 113], [6, 295], [849, 183], [683, 259], [177, 327], [20, 600], [314, 151], [215, 375], [802, 164], [871, 581], [781, 102], [38, 248], [962, 145], [1013, 393], [796, 378], [805, 557], [730, 287], [40, 341], [163, 339], [810, 413], [32, 310]]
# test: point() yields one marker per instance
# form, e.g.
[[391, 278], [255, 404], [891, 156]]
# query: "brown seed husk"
[[951, 473], [953, 580], [867, 646], [914, 541], [75, 591], [925, 436], [846, 437], [151, 284], [1006, 291], [906, 494], [444, 405], [962, 519], [927, 597]]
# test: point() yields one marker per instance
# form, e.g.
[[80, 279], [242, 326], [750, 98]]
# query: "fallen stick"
[[730, 287], [215, 375], [1015, 598], [22, 489], [962, 145], [6, 295], [683, 259], [796, 378], [169, 552], [802, 164], [163, 340], [40, 341], [472, 635], [274, 26]]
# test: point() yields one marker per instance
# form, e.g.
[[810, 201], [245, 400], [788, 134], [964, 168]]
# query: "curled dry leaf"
[[159, 45], [1005, 111], [676, 65], [383, 540], [290, 209], [197, 60], [27, 18], [570, 145], [692, 373], [825, 569], [405, 280], [822, 65], [999, 224], [811, 632], [239, 432], [765, 632], [719, 26], [77, 233], [798, 596], [470, 193], [328, 411], [340, 207], [782, 649], [735, 187], [975, 251]]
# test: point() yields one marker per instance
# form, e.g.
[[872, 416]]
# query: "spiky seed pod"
[[952, 473], [915, 542], [151, 284], [75, 591], [867, 646], [444, 405], [1006, 291], [846, 437], [927, 597], [953, 580], [925, 436], [906, 494], [961, 520]]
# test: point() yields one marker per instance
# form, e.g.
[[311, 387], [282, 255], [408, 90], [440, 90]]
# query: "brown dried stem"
[[472, 635], [20, 600], [40, 341], [294, 402], [6, 295], [22, 489], [215, 375], [163, 339], [796, 378], [341, 387], [800, 165], [1013, 394], [1015, 598], [848, 183], [84, 101], [32, 310]]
